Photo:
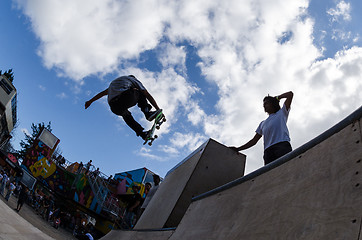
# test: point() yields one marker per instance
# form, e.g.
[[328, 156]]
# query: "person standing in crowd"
[[10, 190], [4, 180], [96, 173], [80, 168], [23, 196], [87, 167], [151, 193], [132, 206]]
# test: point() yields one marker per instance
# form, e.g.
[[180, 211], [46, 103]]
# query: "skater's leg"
[[143, 104], [146, 108], [124, 101], [120, 105], [132, 123]]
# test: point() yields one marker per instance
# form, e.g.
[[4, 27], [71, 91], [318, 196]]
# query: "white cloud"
[[84, 37], [339, 34], [170, 150], [342, 10], [62, 95], [41, 87], [356, 38], [248, 49], [147, 154], [332, 88], [341, 23], [189, 141], [195, 114], [173, 56]]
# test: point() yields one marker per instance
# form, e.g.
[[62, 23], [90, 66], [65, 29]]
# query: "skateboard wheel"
[[156, 136], [158, 127], [150, 144]]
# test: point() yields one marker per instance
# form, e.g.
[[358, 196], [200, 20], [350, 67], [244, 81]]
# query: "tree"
[[9, 75], [29, 139]]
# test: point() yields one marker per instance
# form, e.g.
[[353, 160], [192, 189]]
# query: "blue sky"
[[208, 64]]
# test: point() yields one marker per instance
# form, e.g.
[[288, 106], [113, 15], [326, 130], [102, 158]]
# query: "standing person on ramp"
[[125, 92], [274, 129]]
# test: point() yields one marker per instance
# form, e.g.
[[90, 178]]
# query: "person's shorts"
[[276, 151], [120, 104]]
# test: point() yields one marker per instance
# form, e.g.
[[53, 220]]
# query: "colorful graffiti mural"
[[83, 194], [12, 158], [73, 186], [91, 192], [38, 163], [126, 180]]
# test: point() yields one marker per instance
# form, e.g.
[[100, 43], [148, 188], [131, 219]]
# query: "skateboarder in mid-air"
[[125, 92]]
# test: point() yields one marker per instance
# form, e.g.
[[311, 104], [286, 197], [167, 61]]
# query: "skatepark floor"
[[26, 224]]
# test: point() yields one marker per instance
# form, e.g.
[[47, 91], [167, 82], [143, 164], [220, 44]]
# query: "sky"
[[208, 64]]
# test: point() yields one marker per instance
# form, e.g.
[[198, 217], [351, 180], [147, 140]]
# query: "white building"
[[8, 105]]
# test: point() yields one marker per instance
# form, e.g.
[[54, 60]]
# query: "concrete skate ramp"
[[161, 234], [210, 166], [13, 226], [315, 192]]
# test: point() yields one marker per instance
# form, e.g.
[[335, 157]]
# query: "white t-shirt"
[[11, 187], [274, 128]]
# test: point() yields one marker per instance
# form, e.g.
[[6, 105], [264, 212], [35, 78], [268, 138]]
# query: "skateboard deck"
[[159, 119]]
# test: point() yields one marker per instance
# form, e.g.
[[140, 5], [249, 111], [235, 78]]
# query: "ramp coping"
[[356, 115]]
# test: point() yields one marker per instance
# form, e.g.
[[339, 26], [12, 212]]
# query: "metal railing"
[[97, 181]]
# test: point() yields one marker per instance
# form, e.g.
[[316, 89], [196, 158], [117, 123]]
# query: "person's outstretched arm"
[[95, 98], [289, 98], [249, 144], [150, 98]]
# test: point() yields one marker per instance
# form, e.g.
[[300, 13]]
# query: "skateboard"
[[159, 119]]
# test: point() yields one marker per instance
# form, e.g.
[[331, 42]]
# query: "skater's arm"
[[249, 144], [289, 98], [96, 97], [150, 98]]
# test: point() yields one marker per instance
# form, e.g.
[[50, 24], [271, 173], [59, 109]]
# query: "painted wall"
[[138, 177], [38, 163], [69, 185]]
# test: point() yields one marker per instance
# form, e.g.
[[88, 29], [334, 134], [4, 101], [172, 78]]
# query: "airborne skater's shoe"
[[144, 134], [159, 118], [153, 114]]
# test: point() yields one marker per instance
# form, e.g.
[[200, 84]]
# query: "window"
[[7, 88], [4, 126], [13, 109]]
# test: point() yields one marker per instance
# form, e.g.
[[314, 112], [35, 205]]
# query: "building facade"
[[8, 108]]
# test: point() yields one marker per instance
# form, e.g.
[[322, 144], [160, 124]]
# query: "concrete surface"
[[138, 235], [14, 227], [210, 166]]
